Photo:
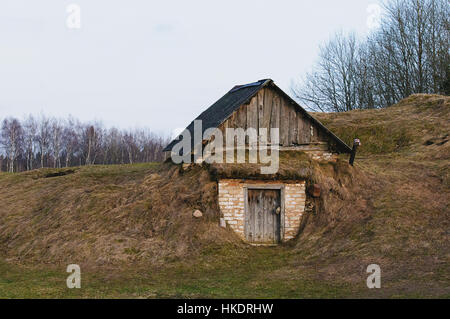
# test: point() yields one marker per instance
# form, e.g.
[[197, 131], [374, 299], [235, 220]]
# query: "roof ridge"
[[241, 86], [224, 107]]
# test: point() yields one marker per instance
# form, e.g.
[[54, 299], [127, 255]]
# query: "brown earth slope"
[[391, 209], [105, 214]]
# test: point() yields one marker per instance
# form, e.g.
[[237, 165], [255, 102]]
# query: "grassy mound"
[[106, 214], [393, 207], [421, 119], [135, 221]]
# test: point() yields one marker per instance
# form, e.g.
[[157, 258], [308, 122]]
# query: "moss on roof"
[[292, 165]]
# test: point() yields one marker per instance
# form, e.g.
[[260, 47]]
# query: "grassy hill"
[[130, 227]]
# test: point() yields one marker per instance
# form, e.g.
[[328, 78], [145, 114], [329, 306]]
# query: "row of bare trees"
[[42, 141], [408, 53]]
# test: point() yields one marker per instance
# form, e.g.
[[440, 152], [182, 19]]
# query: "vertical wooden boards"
[[276, 203], [242, 117], [259, 215], [267, 230], [293, 126], [307, 131], [260, 96], [284, 123], [304, 127], [275, 118], [268, 109], [232, 120], [270, 200], [250, 215], [315, 133], [300, 129], [263, 223], [223, 128], [252, 114], [267, 113], [257, 211], [237, 120]]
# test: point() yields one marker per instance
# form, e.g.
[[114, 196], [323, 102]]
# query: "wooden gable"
[[263, 104], [270, 109]]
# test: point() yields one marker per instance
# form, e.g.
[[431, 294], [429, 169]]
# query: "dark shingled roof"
[[217, 113], [223, 108]]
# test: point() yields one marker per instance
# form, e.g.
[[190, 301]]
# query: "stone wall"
[[294, 207], [232, 207]]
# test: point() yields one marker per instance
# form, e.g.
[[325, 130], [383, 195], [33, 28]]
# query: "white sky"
[[156, 64]]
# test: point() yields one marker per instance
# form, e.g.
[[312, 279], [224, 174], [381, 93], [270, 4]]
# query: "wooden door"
[[262, 219]]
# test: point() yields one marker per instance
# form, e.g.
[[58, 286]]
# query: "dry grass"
[[392, 209], [102, 215], [292, 165], [407, 125]]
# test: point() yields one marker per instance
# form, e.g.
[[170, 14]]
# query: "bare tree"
[[409, 53], [436, 45], [30, 135], [92, 136], [70, 140], [113, 145], [130, 144], [48, 142], [56, 141], [43, 137], [331, 86], [11, 140]]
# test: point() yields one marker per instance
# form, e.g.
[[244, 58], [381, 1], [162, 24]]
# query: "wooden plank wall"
[[262, 224], [268, 109]]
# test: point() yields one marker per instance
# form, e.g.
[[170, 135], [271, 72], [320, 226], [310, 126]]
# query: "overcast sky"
[[156, 64]]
